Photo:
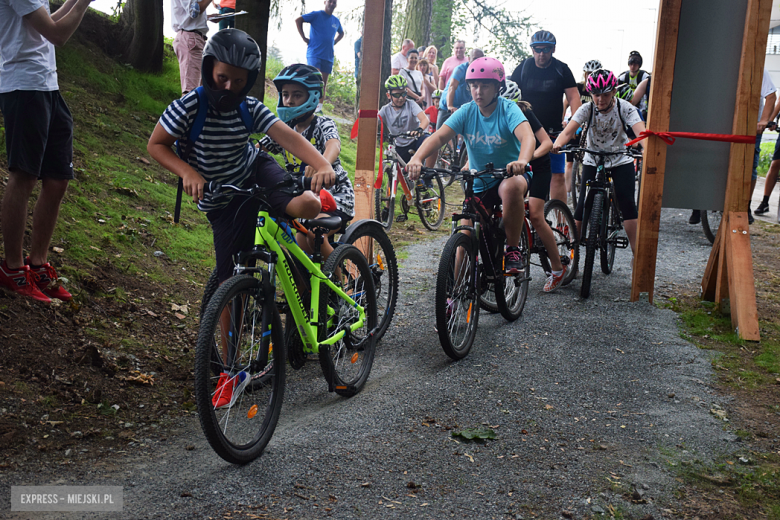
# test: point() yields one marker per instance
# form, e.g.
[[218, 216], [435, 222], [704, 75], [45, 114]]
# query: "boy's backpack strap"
[[192, 136]]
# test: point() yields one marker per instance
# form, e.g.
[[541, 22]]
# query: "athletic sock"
[[558, 273]]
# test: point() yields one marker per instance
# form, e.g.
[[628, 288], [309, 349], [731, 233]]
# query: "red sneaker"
[[224, 393], [47, 281], [22, 281]]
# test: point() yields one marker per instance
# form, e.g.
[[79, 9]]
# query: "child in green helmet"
[[404, 115]]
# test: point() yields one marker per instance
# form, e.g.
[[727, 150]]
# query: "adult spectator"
[[324, 26], [38, 138], [414, 79], [451, 63], [774, 167], [544, 80], [428, 82], [227, 7], [399, 61], [431, 54], [189, 40], [633, 77], [358, 54], [457, 92]]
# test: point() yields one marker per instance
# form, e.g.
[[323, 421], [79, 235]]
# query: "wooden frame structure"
[[728, 278]]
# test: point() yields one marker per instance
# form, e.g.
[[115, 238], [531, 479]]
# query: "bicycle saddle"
[[330, 223]]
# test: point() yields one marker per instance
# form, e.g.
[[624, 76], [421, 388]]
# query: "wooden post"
[[734, 284], [652, 188], [369, 104]]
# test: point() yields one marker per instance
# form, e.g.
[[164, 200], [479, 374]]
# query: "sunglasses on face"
[[542, 50], [398, 95]]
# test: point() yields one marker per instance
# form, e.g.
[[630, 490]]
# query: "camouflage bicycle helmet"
[[542, 38], [624, 91], [396, 81], [591, 66], [511, 91], [309, 78], [235, 48]]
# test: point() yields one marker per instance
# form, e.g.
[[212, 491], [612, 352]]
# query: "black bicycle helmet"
[[635, 57], [235, 48], [542, 38], [624, 91]]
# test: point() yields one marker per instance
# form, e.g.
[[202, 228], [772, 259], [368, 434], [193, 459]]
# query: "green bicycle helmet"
[[624, 91], [396, 81], [437, 94]]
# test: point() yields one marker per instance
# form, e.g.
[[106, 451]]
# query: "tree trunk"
[[141, 34], [387, 51], [441, 28], [256, 25], [418, 21]]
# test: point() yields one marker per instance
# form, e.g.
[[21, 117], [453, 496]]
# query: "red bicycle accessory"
[[327, 201]]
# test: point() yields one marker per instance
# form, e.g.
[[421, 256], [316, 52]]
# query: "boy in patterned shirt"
[[223, 152], [300, 90]]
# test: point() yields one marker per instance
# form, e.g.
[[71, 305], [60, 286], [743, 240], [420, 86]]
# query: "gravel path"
[[588, 398]]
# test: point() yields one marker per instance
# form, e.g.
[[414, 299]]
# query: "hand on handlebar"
[[414, 168], [417, 132], [193, 183], [319, 180], [516, 167]]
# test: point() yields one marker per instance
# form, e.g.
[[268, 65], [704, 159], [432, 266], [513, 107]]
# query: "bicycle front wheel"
[[347, 363], [610, 223], [384, 205], [560, 219], [208, 292], [487, 290], [430, 203], [384, 268], [457, 308], [592, 243], [239, 407], [576, 181], [444, 160], [512, 291]]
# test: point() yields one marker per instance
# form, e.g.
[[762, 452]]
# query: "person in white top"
[[190, 39], [399, 61], [414, 79], [38, 138]]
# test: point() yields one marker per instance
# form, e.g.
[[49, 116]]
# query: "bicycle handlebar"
[[296, 187], [601, 153]]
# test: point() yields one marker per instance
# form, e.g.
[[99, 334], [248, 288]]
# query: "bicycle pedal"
[[621, 242]]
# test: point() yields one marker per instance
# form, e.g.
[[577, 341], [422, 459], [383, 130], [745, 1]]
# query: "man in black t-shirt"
[[544, 81]]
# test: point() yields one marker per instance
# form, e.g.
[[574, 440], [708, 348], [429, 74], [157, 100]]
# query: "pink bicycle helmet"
[[485, 68], [601, 81]]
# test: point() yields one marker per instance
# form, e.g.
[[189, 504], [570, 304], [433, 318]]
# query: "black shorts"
[[344, 219], [38, 133], [405, 152], [542, 174], [234, 225], [624, 178], [490, 197]]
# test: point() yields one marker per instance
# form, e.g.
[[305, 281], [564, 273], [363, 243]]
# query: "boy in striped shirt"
[[223, 152]]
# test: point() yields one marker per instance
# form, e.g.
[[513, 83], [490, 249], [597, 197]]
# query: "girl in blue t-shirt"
[[495, 130]]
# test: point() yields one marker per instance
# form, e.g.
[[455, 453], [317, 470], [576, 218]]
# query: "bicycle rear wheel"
[[512, 291], [445, 159], [430, 203], [576, 180], [347, 363], [610, 224], [710, 222], [384, 205], [457, 308], [592, 243], [384, 268], [239, 410], [560, 219]]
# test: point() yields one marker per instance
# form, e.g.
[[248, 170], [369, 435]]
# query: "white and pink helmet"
[[486, 68], [601, 81]]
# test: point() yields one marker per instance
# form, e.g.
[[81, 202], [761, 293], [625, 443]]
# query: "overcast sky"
[[606, 30]]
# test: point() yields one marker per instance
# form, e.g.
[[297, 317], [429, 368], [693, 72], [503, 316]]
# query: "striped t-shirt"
[[223, 152]]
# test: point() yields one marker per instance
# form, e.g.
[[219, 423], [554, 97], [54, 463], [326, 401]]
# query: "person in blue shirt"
[[358, 55], [324, 26], [495, 131], [457, 92]]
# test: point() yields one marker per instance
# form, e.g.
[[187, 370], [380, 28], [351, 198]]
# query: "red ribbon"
[[670, 137], [370, 114]]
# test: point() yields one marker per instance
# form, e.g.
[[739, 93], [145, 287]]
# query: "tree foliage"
[[417, 22], [507, 31], [441, 28]]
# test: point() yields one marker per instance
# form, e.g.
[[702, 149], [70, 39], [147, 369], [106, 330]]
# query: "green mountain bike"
[[241, 347]]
